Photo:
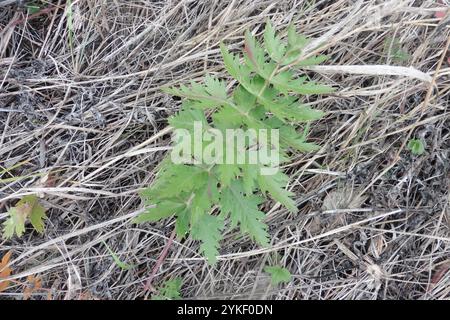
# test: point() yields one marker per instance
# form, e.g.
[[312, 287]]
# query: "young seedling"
[[170, 290], [27, 208], [416, 146], [393, 48], [204, 196], [278, 274]]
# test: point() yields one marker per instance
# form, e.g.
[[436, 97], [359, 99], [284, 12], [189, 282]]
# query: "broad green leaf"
[[37, 217], [296, 43], [203, 199], [197, 214], [14, 224], [290, 138], [285, 82], [216, 88], [312, 88], [289, 110]]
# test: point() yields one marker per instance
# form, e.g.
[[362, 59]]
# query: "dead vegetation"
[[83, 125]]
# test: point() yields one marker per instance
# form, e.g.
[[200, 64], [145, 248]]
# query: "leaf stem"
[[148, 284]]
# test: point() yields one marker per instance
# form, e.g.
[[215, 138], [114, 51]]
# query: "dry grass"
[[84, 120]]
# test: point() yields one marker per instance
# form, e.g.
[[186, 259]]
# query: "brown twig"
[[35, 15], [148, 284]]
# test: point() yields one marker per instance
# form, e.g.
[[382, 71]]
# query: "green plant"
[[69, 15], [33, 7], [170, 290], [122, 265], [201, 196], [278, 274], [27, 208], [416, 146], [393, 48]]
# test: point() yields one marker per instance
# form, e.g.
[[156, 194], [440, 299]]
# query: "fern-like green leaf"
[[243, 211], [312, 61], [170, 290], [266, 97], [227, 118], [208, 230], [274, 46], [177, 180], [207, 195], [164, 209], [227, 173], [244, 99], [182, 223], [250, 174], [296, 41], [255, 59], [232, 64], [185, 119], [275, 186], [289, 137], [212, 94]]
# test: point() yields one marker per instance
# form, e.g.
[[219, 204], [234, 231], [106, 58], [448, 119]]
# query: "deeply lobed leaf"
[[265, 98], [27, 208]]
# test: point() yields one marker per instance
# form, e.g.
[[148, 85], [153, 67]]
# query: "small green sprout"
[[278, 274], [170, 290], [416, 146]]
